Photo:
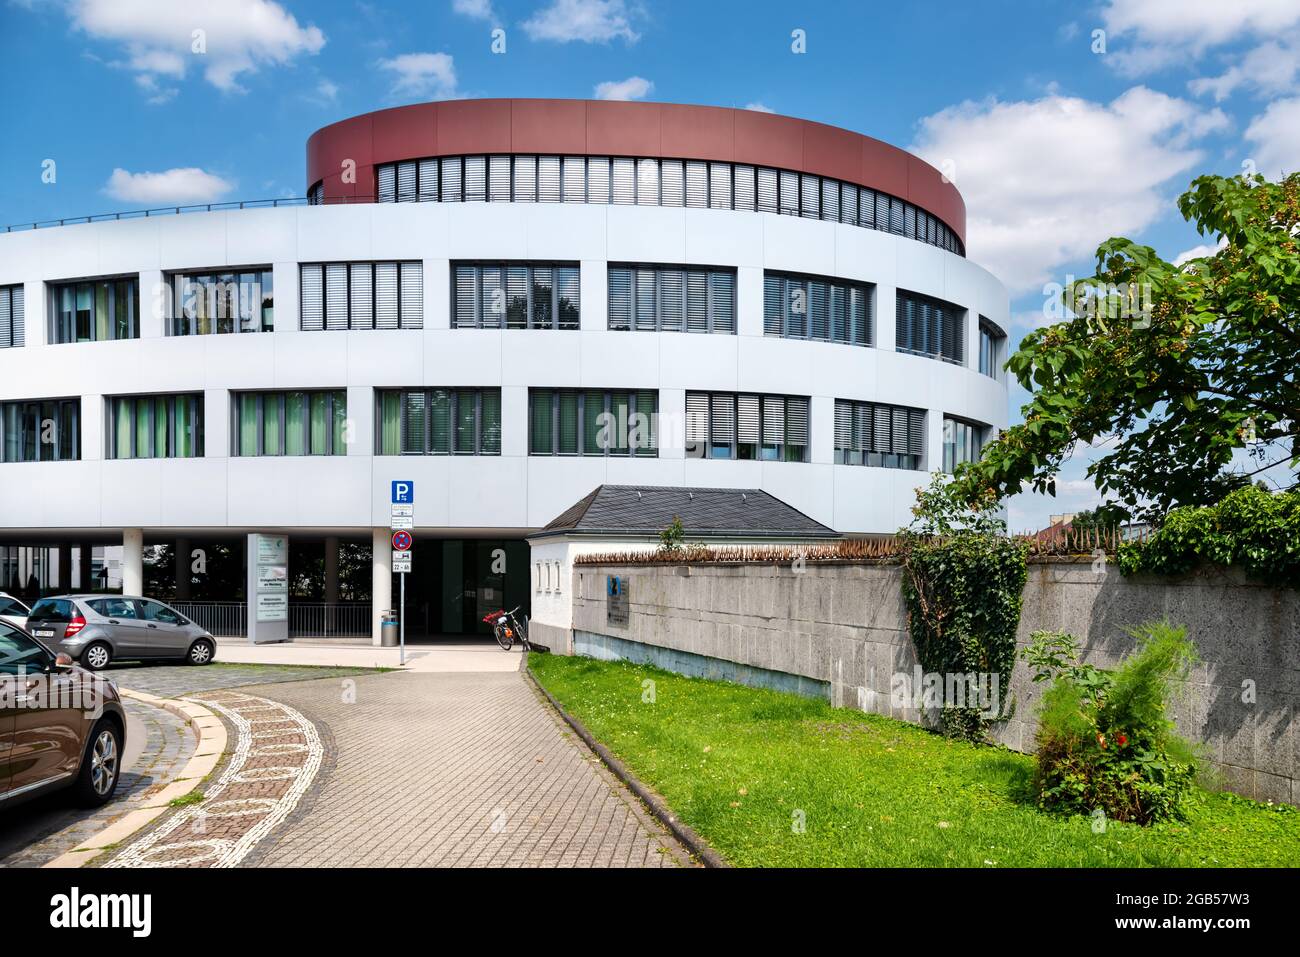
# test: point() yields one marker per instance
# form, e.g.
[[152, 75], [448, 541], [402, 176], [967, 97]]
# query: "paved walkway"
[[172, 681], [454, 769], [159, 744], [469, 656]]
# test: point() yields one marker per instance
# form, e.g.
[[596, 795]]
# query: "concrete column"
[[182, 564], [381, 581], [65, 568], [331, 570], [132, 561], [87, 582]]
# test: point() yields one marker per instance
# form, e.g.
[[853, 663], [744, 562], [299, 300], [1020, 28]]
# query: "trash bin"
[[388, 629]]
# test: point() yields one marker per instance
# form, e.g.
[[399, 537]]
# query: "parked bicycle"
[[507, 628]]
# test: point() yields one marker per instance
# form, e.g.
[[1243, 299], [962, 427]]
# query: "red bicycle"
[[506, 628]]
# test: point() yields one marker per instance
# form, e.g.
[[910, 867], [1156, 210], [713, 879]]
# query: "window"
[[439, 422], [95, 311], [154, 426], [20, 655], [43, 430], [515, 295], [290, 423], [729, 425], [157, 611], [593, 422], [672, 299], [885, 436], [316, 195], [234, 300], [113, 607], [11, 316], [643, 181], [962, 442], [930, 327], [828, 310], [361, 295], [992, 343]]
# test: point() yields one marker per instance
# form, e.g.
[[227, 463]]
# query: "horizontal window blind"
[[11, 316], [808, 307], [929, 327], [747, 425], [872, 433], [516, 295], [670, 298], [364, 295]]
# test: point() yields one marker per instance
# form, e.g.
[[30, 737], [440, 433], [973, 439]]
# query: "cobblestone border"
[[659, 808], [207, 754]]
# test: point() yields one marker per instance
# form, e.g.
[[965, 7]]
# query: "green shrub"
[[1105, 740], [1252, 528]]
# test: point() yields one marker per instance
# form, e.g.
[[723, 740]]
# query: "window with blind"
[[746, 425], [316, 195], [992, 345], [361, 295], [237, 300], [12, 310], [41, 430], [290, 423], [930, 327], [672, 298], [95, 311], [593, 422], [438, 422], [154, 426], [515, 295], [962, 442], [808, 307], [646, 181], [884, 436]]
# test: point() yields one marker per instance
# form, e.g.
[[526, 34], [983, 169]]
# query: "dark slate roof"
[[709, 512]]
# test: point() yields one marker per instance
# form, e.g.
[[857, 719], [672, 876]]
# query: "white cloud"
[[759, 108], [239, 36], [1169, 31], [587, 21], [1199, 252], [1275, 138], [475, 9], [1046, 180], [633, 88], [1268, 69], [181, 185], [422, 74]]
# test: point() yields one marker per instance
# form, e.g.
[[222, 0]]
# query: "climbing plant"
[[963, 580]]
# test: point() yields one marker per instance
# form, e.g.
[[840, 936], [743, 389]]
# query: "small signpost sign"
[[402, 524]]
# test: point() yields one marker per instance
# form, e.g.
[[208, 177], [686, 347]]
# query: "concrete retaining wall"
[[846, 625]]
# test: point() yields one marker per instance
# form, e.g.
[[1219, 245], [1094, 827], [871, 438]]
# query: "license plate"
[[43, 632]]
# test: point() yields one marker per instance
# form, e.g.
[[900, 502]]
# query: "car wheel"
[[101, 766], [200, 652], [97, 656]]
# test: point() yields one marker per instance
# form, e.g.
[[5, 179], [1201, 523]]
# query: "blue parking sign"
[[403, 492]]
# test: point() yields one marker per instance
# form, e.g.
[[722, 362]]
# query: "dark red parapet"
[[343, 155]]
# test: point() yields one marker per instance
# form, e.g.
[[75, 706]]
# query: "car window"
[[20, 654], [113, 607], [157, 611], [51, 609], [11, 606]]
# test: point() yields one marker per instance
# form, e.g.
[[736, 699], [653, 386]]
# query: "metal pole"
[[401, 628]]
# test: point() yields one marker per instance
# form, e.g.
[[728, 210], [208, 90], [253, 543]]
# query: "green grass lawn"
[[744, 766]]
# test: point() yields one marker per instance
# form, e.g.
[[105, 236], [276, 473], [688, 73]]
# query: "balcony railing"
[[177, 210], [229, 619]]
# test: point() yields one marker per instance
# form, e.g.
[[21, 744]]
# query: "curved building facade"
[[507, 303]]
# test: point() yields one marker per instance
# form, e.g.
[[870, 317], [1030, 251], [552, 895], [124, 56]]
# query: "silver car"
[[98, 629]]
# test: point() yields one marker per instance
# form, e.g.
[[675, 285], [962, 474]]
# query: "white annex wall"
[[513, 490]]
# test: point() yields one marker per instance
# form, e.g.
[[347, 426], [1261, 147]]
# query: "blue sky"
[[1057, 136]]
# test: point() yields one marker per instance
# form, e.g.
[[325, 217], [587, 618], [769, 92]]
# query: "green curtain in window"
[[143, 445], [390, 423], [568, 437], [647, 441], [319, 422], [440, 421], [619, 421], [122, 428], [593, 408], [185, 405], [102, 290], [466, 413], [272, 442], [491, 422], [248, 425], [541, 440], [339, 445], [295, 423], [161, 447]]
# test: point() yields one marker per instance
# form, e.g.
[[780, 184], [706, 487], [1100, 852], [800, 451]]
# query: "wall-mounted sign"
[[616, 600]]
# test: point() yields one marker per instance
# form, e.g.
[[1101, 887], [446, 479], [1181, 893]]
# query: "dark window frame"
[[867, 450], [847, 287], [21, 427], [63, 326], [580, 396], [178, 324], [453, 395], [660, 269], [149, 406], [780, 452], [403, 322], [281, 412], [505, 265]]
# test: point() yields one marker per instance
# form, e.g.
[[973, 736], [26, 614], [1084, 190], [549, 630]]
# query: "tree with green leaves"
[[1179, 366]]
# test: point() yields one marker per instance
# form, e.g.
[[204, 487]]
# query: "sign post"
[[403, 523]]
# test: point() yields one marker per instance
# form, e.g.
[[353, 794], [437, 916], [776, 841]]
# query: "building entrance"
[[455, 582]]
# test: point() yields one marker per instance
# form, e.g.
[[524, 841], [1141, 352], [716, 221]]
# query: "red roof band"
[[604, 128]]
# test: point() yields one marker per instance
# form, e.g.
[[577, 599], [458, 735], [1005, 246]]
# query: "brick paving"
[[34, 833], [170, 681], [442, 770]]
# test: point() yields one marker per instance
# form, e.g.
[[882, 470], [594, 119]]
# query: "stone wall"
[[845, 625]]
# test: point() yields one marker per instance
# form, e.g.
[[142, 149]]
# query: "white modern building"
[[472, 295]]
